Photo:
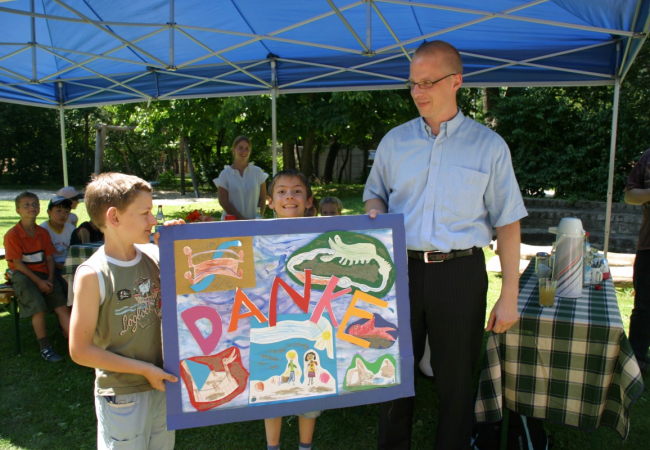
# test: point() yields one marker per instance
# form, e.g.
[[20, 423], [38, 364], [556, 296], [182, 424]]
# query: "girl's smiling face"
[[242, 151], [289, 197]]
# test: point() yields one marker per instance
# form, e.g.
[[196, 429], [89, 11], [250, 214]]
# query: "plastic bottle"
[[160, 218], [587, 257]]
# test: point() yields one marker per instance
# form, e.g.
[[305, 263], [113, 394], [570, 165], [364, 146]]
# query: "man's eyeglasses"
[[426, 84], [33, 205]]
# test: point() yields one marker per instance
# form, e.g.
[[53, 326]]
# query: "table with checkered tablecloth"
[[77, 254], [570, 363]]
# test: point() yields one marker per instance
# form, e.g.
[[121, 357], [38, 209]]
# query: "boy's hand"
[[168, 223], [156, 377], [45, 286]]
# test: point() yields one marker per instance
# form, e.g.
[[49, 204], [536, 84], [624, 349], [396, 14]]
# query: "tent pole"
[[274, 118], [612, 157], [64, 151], [98, 152]]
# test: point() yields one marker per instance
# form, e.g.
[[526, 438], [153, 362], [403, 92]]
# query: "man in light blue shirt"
[[453, 180]]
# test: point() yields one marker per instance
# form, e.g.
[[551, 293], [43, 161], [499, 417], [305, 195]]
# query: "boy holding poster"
[[290, 196], [116, 326]]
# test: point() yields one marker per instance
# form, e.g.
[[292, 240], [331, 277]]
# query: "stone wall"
[[547, 212]]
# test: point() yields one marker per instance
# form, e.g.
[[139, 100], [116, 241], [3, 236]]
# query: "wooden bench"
[[9, 304]]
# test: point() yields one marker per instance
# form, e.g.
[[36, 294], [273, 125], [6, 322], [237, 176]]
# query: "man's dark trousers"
[[448, 300], [640, 318]]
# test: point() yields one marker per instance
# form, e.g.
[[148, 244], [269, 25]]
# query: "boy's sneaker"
[[50, 355]]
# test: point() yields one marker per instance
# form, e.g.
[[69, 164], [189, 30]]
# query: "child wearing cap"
[[29, 253], [74, 196], [60, 231]]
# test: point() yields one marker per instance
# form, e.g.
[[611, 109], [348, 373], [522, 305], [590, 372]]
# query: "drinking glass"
[[543, 267], [547, 287]]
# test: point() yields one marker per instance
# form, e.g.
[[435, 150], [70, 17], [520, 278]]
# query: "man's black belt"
[[435, 256]]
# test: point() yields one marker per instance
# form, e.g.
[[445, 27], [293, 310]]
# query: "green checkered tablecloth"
[[77, 254], [570, 364]]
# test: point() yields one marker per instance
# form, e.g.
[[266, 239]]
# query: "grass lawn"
[[50, 406]]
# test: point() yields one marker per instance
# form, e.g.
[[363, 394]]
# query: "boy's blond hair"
[[334, 201], [23, 195], [112, 190]]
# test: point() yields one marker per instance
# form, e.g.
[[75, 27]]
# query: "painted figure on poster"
[[310, 358], [292, 367]]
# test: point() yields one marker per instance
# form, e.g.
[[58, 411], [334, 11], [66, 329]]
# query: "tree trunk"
[[345, 161], [490, 96], [288, 155], [181, 162], [126, 160], [332, 153], [307, 162], [317, 161], [220, 142], [364, 168]]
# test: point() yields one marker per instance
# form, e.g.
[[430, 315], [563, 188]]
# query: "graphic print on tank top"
[[146, 309]]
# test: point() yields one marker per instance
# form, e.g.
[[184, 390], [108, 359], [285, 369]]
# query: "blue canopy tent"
[[75, 53]]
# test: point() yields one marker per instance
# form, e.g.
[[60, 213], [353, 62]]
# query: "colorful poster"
[[266, 318]]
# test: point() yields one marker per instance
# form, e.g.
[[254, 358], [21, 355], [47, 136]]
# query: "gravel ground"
[[160, 197]]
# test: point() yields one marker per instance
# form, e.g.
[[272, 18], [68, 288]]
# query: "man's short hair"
[[112, 189], [24, 195], [334, 201], [290, 173], [446, 50]]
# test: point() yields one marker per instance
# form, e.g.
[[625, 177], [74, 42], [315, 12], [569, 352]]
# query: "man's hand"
[[373, 213], [156, 377], [375, 206], [504, 315], [168, 223]]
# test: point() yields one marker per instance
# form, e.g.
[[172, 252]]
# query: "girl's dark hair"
[[290, 173], [313, 353]]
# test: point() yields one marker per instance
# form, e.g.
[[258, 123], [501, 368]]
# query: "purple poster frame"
[[179, 419]]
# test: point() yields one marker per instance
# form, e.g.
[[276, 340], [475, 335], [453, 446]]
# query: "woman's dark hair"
[[310, 352]]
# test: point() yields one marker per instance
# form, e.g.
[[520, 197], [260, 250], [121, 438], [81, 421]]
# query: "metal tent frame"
[[75, 53]]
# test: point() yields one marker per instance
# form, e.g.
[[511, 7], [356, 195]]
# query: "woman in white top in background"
[[242, 185]]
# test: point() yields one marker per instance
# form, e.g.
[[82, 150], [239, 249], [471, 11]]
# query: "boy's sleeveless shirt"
[[129, 322]]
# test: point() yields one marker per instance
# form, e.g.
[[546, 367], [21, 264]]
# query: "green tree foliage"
[[80, 141], [30, 145], [560, 137], [208, 125]]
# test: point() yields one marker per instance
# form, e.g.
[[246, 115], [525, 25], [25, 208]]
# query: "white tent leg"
[[274, 119], [64, 152], [612, 158]]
